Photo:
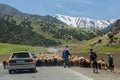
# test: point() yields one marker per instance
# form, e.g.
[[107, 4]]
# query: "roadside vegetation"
[[6, 49]]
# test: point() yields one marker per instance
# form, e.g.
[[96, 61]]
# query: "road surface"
[[44, 73]]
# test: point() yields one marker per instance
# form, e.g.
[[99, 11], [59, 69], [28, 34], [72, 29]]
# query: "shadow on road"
[[23, 72]]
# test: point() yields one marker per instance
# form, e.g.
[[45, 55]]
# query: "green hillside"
[[109, 39], [26, 29]]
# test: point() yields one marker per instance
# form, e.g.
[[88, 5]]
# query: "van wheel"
[[10, 71], [33, 70]]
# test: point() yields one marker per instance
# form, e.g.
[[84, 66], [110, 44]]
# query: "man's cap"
[[91, 49], [108, 53]]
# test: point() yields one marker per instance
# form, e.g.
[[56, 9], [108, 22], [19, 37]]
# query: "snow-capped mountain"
[[85, 22]]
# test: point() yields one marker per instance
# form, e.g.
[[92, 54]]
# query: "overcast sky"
[[95, 9]]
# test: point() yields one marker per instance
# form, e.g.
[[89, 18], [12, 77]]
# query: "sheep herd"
[[55, 59]]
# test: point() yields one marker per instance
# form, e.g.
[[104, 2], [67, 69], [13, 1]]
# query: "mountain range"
[[102, 25], [17, 27], [78, 22]]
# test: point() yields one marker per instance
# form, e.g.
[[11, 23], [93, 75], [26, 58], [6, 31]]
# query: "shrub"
[[110, 35], [99, 41]]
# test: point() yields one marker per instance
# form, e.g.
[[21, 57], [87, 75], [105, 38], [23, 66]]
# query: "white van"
[[21, 61]]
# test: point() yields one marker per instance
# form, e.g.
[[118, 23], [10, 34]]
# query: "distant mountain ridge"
[[8, 10], [11, 11], [86, 22]]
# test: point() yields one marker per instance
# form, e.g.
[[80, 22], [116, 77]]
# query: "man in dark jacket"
[[65, 56], [110, 61], [93, 55], [93, 60]]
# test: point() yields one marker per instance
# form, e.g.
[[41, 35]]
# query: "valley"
[[21, 31]]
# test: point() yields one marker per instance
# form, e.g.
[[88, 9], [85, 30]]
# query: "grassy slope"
[[9, 48], [100, 48]]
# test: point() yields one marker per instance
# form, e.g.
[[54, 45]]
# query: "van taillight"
[[9, 62], [30, 60]]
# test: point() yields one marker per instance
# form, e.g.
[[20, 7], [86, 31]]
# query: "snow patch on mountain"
[[85, 22]]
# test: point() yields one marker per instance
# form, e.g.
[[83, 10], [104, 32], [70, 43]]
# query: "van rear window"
[[20, 55]]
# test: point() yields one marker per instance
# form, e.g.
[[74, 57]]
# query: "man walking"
[[110, 61], [65, 56], [93, 60]]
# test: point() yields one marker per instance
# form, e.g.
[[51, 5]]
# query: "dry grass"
[[4, 57]]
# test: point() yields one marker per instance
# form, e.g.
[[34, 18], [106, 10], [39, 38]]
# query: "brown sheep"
[[102, 64], [74, 60], [84, 62]]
